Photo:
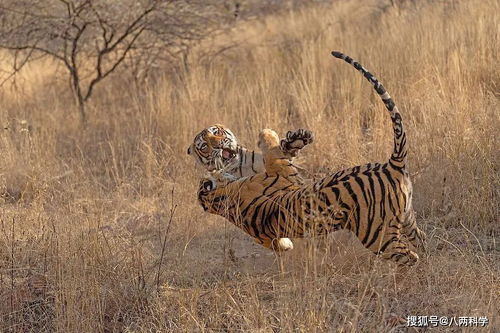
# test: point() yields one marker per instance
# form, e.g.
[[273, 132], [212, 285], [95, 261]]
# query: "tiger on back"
[[216, 148]]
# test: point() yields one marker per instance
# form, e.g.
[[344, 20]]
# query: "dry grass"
[[100, 229]]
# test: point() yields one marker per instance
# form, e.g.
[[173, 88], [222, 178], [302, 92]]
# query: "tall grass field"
[[101, 231]]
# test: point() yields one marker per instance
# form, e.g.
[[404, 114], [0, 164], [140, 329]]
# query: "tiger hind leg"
[[399, 252], [412, 232]]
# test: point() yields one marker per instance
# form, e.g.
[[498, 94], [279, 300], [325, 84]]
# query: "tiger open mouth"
[[228, 154]]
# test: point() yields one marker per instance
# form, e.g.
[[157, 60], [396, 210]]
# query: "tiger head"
[[215, 148]]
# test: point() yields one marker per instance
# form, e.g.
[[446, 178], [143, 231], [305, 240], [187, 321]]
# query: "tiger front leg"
[[277, 244], [295, 141]]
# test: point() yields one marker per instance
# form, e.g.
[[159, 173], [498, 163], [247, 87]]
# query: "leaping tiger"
[[374, 201]]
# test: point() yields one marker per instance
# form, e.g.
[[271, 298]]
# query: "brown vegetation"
[[91, 40], [100, 229]]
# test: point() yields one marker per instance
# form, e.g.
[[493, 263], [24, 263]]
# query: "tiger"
[[373, 201], [216, 149]]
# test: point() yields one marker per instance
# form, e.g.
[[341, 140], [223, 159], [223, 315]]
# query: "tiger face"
[[215, 148]]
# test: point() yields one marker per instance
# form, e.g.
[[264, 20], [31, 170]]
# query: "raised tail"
[[398, 157]]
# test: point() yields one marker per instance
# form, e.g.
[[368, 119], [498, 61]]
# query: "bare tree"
[[93, 38]]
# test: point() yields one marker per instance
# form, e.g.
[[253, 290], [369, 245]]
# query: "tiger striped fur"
[[374, 201], [217, 150]]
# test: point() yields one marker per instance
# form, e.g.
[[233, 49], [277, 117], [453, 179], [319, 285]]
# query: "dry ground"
[[100, 229]]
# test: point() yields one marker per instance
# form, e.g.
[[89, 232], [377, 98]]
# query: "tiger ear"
[[189, 150]]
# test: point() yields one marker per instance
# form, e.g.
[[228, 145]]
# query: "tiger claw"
[[296, 140]]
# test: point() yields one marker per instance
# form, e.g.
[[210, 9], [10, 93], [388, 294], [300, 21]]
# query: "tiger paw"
[[282, 244], [296, 140], [277, 244]]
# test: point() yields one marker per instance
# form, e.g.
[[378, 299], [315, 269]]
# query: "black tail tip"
[[338, 54]]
